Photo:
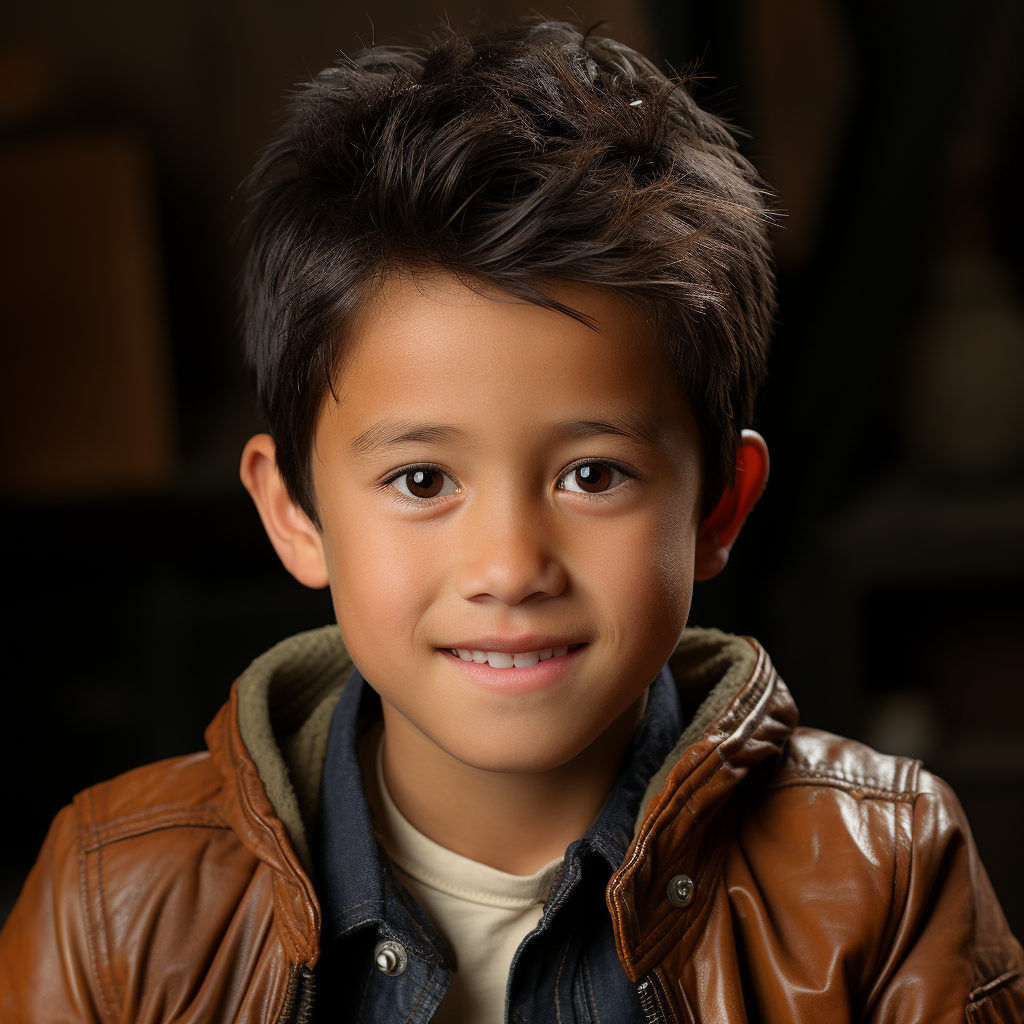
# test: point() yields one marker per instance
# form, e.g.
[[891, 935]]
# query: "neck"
[[515, 822]]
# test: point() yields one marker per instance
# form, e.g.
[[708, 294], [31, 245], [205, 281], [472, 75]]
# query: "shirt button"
[[680, 890], [390, 958]]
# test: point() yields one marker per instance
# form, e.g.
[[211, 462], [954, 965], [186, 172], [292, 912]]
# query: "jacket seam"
[[97, 940], [90, 940], [421, 996], [588, 991], [896, 914], [142, 823], [899, 902], [870, 787]]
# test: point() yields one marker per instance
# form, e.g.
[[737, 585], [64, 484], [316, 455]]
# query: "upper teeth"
[[501, 659]]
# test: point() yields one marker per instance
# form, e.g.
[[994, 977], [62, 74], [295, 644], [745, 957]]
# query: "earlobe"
[[720, 530], [296, 540]]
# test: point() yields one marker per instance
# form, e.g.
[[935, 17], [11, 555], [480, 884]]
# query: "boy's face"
[[497, 477]]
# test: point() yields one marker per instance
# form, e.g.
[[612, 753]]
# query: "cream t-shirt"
[[482, 914]]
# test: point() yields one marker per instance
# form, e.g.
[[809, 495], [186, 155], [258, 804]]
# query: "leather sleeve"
[[953, 957], [45, 965]]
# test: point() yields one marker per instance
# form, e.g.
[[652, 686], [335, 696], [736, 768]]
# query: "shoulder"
[[844, 817], [180, 792], [821, 759], [141, 890], [124, 869], [152, 842], [869, 856], [886, 806], [830, 826]]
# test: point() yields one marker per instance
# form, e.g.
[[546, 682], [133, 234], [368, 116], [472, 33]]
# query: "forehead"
[[435, 346]]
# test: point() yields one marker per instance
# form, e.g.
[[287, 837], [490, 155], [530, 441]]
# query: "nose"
[[508, 555]]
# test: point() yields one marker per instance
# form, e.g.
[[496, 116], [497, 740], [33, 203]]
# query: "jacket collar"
[[685, 827], [269, 742]]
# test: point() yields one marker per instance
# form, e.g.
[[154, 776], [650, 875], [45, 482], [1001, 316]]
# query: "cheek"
[[381, 584], [646, 573]]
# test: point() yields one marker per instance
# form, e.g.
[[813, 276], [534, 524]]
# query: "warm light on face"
[[497, 477]]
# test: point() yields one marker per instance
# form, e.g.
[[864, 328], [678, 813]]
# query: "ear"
[[296, 540], [720, 530]]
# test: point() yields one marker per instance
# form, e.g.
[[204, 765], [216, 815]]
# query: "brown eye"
[[425, 482], [591, 478]]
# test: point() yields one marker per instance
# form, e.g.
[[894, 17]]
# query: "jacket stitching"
[[83, 869], [661, 933], [895, 912], [104, 924], [808, 776], [588, 991], [104, 974], [367, 917], [757, 684], [420, 997], [149, 821], [355, 906], [899, 901]]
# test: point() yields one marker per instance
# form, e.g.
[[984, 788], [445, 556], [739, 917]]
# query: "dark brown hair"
[[529, 154]]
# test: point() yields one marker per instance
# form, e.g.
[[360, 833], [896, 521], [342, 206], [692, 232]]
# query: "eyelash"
[[571, 468]]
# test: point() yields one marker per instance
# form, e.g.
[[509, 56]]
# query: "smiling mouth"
[[503, 659]]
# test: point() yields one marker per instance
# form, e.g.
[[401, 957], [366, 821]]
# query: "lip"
[[513, 643], [537, 677]]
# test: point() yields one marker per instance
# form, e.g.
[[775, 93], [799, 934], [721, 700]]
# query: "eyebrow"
[[387, 434], [636, 427], [397, 433]]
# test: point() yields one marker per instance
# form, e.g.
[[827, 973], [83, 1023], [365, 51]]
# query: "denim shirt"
[[566, 969]]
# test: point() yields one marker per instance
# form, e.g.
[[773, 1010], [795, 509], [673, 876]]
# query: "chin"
[[512, 756]]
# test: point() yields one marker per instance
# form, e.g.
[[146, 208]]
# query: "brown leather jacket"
[[829, 882]]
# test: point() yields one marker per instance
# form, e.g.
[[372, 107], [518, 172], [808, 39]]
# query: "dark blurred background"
[[884, 567]]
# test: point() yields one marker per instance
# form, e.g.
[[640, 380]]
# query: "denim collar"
[[353, 888]]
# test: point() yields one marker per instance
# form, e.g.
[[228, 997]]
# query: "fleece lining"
[[705, 661], [286, 698]]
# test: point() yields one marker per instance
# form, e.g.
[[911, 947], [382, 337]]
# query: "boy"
[[508, 304]]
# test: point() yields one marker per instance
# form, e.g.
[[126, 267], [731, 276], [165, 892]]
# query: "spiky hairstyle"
[[532, 154]]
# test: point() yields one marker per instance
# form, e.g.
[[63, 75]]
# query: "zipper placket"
[[650, 1001], [297, 1007]]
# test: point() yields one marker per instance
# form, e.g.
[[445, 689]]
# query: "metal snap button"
[[390, 958], [680, 890]]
